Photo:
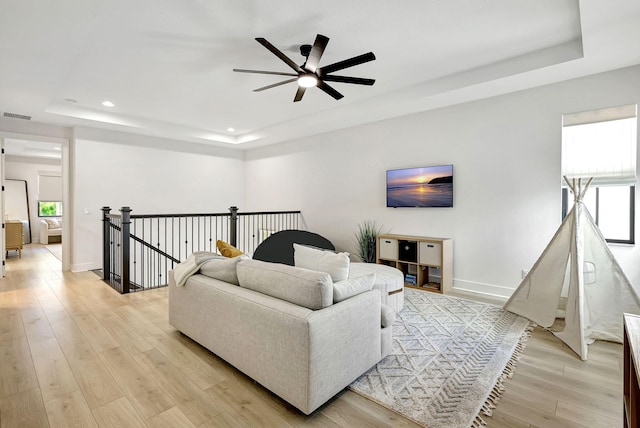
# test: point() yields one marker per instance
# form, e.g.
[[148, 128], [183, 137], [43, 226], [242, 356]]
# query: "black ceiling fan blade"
[[284, 82], [329, 90], [279, 54], [299, 94], [356, 60], [316, 53], [279, 73], [347, 79]]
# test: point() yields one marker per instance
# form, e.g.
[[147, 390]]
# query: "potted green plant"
[[366, 240]]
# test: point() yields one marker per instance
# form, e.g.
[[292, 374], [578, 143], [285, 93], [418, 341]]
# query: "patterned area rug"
[[448, 362]]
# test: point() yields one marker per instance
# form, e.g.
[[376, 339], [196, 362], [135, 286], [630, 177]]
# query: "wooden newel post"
[[106, 244], [233, 226], [126, 238]]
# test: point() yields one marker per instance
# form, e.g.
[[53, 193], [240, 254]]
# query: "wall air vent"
[[16, 116]]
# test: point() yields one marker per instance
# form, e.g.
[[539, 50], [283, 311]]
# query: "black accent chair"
[[278, 248]]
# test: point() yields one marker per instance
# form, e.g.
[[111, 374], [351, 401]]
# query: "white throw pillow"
[[335, 264], [52, 223], [347, 288]]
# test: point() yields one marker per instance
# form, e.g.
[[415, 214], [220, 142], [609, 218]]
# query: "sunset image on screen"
[[420, 187]]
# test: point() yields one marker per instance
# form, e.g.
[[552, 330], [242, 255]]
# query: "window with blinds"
[[49, 194], [49, 186], [602, 145]]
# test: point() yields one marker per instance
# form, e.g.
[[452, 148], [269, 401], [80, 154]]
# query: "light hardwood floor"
[[75, 353]]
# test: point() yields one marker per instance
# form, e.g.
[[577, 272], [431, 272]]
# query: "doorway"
[[42, 163]]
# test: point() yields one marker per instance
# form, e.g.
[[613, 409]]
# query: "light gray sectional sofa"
[[281, 326]]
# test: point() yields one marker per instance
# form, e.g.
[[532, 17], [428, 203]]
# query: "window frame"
[[596, 215]]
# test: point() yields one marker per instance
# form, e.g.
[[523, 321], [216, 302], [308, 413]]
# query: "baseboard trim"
[[82, 267], [490, 291]]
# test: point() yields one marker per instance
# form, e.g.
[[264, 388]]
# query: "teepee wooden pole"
[[578, 190], [572, 185], [586, 187]]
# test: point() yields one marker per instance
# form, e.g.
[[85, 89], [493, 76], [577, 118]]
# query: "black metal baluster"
[[135, 253], [158, 259]]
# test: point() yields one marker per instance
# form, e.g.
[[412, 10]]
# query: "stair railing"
[[139, 250]]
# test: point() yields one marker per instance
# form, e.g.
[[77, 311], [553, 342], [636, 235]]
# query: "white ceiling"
[[167, 64], [33, 149]]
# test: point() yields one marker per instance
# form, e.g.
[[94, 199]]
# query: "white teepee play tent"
[[578, 264]]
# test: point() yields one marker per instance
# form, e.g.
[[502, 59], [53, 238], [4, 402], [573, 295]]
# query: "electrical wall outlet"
[[524, 273]]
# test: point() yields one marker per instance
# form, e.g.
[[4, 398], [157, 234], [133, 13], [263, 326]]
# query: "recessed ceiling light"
[[107, 104], [231, 129]]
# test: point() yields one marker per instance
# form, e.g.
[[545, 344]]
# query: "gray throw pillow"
[[302, 287]]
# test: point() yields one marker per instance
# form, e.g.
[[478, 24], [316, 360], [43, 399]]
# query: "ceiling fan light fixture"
[[310, 74], [307, 80]]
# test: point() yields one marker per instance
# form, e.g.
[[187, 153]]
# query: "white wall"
[[149, 178], [505, 151], [25, 168], [506, 156]]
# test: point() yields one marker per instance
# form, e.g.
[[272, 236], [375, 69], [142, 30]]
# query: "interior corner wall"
[[23, 168], [149, 181], [506, 156]]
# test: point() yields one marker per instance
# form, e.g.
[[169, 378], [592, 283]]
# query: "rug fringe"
[[498, 389]]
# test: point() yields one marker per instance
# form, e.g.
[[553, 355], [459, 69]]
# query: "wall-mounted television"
[[430, 186]]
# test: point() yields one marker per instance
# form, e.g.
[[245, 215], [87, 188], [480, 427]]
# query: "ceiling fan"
[[309, 74]]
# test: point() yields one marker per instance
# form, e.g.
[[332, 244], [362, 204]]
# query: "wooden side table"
[[13, 237]]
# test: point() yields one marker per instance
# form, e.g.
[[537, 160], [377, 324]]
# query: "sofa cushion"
[[335, 264], [303, 287], [346, 288], [388, 315], [227, 249], [221, 268]]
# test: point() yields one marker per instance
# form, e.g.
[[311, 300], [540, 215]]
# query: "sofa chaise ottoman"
[[389, 281]]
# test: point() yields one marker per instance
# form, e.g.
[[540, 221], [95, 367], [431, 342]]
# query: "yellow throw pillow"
[[227, 249]]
